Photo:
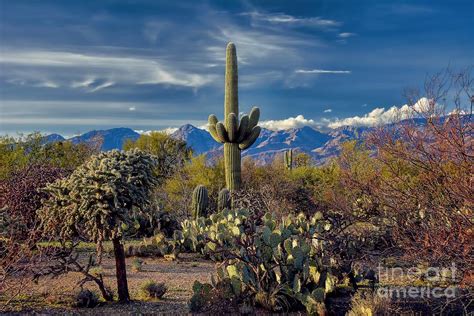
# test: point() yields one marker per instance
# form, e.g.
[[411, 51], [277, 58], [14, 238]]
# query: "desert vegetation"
[[153, 228]]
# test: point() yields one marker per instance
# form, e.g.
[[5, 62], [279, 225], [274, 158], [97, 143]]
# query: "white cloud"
[[132, 108], [95, 72], [41, 83], [291, 122], [82, 84], [321, 71], [102, 86], [47, 84], [380, 116], [280, 18], [346, 34], [327, 111]]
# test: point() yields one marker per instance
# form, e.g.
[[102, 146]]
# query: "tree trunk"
[[105, 294], [121, 271]]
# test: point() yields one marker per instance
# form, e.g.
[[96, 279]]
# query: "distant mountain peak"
[[320, 145], [113, 138]]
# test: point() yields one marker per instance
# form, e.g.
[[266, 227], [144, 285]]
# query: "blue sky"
[[73, 66]]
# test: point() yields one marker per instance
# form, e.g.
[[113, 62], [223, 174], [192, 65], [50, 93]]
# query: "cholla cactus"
[[200, 201], [234, 135], [288, 158], [98, 200], [224, 200]]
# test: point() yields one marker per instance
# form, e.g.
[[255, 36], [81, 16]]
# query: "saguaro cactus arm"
[[247, 142]]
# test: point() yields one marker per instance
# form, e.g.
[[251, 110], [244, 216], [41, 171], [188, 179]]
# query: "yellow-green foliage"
[[16, 153], [177, 191], [370, 304], [171, 153]]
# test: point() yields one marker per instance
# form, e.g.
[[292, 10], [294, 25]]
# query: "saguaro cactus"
[[200, 201], [236, 136], [224, 200], [289, 159]]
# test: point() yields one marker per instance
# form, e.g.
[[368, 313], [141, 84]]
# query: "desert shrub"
[[156, 246], [271, 188], [86, 298], [96, 271], [150, 222], [152, 290], [137, 265], [97, 202], [167, 223], [427, 186], [20, 197], [423, 181], [369, 303]]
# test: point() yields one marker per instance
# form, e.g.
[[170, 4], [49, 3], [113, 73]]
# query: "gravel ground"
[[49, 295]]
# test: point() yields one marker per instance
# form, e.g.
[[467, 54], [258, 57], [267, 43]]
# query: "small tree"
[[171, 153], [98, 201]]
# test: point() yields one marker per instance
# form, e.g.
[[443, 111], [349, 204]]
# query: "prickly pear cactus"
[[236, 136], [274, 264], [288, 158], [200, 201], [224, 200]]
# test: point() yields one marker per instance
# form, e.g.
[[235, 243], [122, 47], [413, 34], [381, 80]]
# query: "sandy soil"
[[49, 295]]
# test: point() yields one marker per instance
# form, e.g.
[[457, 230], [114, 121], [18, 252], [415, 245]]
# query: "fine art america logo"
[[435, 282]]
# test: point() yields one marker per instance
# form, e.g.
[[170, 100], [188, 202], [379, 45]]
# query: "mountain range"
[[320, 145]]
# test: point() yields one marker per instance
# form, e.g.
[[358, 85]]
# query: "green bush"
[[152, 290], [156, 246], [86, 298], [137, 265]]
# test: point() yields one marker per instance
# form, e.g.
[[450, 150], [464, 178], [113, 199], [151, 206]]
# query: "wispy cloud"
[[40, 83], [346, 34], [321, 71], [103, 86], [95, 72], [327, 111], [281, 18]]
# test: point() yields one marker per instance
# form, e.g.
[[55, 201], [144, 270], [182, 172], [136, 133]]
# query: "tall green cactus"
[[236, 136], [200, 201], [289, 159], [224, 200]]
